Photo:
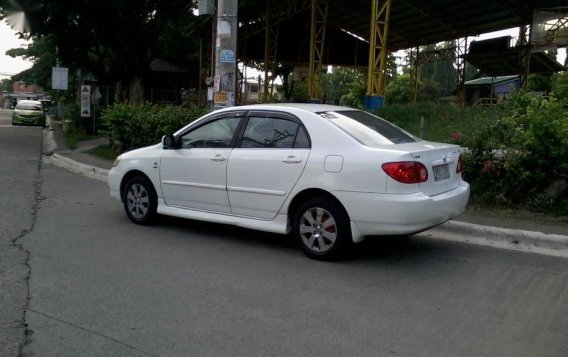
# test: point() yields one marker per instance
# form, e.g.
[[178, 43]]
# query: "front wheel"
[[322, 229], [140, 200]]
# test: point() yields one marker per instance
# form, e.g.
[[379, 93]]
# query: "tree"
[[539, 83], [560, 85], [398, 90], [115, 40], [346, 85], [342, 81], [5, 85], [42, 53], [441, 72]]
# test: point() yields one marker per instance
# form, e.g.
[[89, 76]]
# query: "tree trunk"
[[136, 91], [120, 93]]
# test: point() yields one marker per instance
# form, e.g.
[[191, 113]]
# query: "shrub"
[[516, 160], [134, 126], [72, 115], [441, 120]]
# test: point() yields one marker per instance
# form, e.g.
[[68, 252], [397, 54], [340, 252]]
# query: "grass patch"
[[72, 139], [103, 152]]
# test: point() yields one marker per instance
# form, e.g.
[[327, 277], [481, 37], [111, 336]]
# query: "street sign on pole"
[[85, 101], [226, 49], [59, 78]]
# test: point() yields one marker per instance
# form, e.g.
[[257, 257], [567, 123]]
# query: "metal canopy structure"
[[412, 23], [496, 58], [355, 31]]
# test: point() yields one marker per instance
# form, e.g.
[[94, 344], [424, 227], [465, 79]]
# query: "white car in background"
[[331, 175]]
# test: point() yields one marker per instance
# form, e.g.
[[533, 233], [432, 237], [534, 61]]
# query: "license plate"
[[441, 172]]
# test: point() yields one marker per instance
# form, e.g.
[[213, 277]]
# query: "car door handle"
[[291, 160], [218, 158]]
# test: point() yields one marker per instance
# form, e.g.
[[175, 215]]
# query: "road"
[[102, 286], [5, 117], [20, 153]]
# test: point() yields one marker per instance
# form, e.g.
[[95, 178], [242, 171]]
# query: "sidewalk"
[[508, 229]]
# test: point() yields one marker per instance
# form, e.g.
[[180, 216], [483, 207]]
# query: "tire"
[[140, 200], [322, 228]]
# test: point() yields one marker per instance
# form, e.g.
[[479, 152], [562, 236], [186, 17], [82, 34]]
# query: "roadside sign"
[[227, 56], [85, 101], [59, 78]]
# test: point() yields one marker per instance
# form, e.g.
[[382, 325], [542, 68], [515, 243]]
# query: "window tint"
[[29, 106], [216, 134], [269, 133], [302, 140], [368, 129]]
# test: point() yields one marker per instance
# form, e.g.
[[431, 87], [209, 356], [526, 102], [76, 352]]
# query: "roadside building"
[[490, 90]]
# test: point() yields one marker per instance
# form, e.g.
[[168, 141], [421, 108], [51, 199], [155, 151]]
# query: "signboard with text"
[[85, 101], [59, 78]]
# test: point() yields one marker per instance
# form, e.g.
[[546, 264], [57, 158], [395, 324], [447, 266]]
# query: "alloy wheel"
[[318, 229], [137, 201]]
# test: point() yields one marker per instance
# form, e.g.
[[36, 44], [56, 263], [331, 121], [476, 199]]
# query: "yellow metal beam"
[[376, 75], [317, 39]]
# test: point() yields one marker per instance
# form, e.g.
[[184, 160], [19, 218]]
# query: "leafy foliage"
[[42, 53], [440, 120], [398, 90], [516, 161], [516, 154], [113, 41], [133, 126]]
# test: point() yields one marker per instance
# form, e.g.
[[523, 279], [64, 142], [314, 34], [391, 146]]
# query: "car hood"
[[144, 152]]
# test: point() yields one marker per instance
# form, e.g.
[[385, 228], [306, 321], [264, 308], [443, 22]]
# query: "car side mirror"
[[169, 142]]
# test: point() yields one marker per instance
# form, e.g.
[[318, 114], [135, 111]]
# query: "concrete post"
[[226, 54]]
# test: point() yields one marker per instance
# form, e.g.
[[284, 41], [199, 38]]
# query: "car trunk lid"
[[440, 160]]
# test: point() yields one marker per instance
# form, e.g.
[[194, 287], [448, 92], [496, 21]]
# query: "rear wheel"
[[322, 228], [140, 200]]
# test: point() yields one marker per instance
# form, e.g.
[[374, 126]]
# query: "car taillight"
[[406, 171], [460, 165]]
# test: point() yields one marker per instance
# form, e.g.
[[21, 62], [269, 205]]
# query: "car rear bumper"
[[395, 214], [28, 121]]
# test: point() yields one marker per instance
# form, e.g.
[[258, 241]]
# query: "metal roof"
[[412, 23], [492, 80]]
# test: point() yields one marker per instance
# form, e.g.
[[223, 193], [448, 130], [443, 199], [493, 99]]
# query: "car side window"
[[302, 139], [263, 132], [215, 134]]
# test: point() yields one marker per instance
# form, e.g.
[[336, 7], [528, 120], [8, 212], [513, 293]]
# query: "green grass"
[[103, 152], [73, 138]]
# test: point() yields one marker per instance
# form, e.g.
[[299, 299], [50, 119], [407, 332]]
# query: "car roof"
[[310, 107], [26, 101]]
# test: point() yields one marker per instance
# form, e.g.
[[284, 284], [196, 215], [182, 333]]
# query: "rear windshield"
[[368, 129], [29, 106]]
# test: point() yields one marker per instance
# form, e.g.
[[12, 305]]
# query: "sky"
[[10, 66], [9, 40]]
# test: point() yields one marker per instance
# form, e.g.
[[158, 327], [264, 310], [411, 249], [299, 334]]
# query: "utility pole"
[[225, 81]]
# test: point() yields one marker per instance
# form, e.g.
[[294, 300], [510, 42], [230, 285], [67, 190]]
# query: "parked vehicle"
[[29, 112], [331, 175]]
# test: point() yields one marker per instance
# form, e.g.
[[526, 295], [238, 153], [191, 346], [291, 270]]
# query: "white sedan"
[[331, 175]]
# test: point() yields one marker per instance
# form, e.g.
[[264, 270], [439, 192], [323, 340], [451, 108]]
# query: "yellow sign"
[[220, 97]]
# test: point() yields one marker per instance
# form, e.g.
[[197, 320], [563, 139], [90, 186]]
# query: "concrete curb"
[[513, 239], [79, 168], [49, 144]]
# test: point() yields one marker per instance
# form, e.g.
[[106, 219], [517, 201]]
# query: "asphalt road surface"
[[102, 286], [20, 155], [5, 117]]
